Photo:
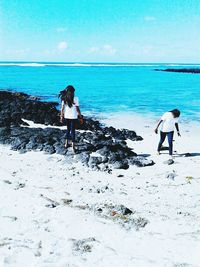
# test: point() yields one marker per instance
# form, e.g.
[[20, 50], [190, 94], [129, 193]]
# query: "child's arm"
[[78, 111], [156, 130], [79, 114], [62, 113], [177, 128]]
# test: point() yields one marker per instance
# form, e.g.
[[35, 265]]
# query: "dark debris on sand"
[[108, 142]]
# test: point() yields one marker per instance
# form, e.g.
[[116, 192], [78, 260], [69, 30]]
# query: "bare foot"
[[66, 144], [74, 147]]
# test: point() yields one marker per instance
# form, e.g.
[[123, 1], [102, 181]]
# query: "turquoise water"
[[109, 88]]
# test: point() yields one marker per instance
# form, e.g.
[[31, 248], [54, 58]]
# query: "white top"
[[71, 113], [168, 122]]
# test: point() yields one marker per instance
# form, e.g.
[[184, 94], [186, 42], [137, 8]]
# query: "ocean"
[[105, 88]]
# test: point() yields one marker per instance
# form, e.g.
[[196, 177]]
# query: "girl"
[[70, 112], [168, 121]]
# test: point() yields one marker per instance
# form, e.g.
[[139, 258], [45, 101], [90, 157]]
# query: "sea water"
[[105, 88]]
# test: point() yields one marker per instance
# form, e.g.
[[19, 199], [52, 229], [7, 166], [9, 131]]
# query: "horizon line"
[[97, 62]]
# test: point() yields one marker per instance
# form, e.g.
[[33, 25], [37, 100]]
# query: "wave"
[[74, 65], [23, 64], [32, 64]]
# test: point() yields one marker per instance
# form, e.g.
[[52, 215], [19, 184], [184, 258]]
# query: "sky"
[[100, 30]]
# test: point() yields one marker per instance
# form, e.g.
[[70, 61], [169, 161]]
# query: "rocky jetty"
[[184, 70], [99, 147]]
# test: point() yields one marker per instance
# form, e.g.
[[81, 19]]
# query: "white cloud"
[[61, 29], [149, 18], [106, 49], [93, 49], [17, 52], [62, 46]]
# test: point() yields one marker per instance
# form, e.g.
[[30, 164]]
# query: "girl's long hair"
[[67, 95]]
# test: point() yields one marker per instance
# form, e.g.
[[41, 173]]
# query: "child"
[[168, 121], [70, 112]]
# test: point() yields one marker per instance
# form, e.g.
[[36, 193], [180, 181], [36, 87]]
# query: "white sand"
[[32, 234]]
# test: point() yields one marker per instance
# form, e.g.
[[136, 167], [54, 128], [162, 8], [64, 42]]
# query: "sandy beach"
[[49, 207], [99, 133]]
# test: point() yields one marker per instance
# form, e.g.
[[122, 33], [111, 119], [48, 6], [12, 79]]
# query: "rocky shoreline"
[[98, 147], [183, 70]]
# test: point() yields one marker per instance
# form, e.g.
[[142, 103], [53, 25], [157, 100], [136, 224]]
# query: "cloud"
[[59, 48], [61, 29], [149, 18], [17, 52], [106, 49], [62, 46], [93, 49], [109, 49]]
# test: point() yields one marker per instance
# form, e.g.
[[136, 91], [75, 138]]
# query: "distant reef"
[[184, 70]]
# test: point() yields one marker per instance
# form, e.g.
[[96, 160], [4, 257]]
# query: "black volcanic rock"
[[184, 70], [109, 143], [15, 106]]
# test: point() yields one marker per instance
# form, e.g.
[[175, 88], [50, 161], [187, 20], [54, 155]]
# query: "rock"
[[82, 246], [184, 70], [20, 185], [187, 155], [31, 145], [119, 214], [22, 151], [83, 157], [121, 164], [84, 147], [60, 150], [122, 134], [104, 151], [108, 142], [105, 168], [101, 190], [51, 205], [66, 201], [19, 143], [141, 161], [7, 181], [140, 223], [169, 162], [171, 175], [94, 161], [4, 134], [49, 149], [124, 210]]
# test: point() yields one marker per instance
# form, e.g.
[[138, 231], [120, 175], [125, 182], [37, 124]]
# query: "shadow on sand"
[[144, 155]]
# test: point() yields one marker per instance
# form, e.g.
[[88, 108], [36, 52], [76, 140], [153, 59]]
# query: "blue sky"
[[100, 30]]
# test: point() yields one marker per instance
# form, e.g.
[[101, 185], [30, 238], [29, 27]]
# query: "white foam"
[[32, 65], [35, 64], [23, 64]]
